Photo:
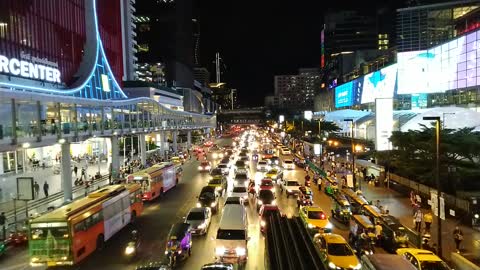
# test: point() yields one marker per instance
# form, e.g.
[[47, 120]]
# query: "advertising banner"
[[384, 123], [379, 84], [25, 188], [349, 94]]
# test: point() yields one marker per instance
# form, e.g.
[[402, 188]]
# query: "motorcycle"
[[131, 249], [179, 243]]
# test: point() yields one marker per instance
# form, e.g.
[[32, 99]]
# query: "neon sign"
[[29, 70]]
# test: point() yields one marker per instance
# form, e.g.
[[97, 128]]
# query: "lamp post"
[[353, 157], [437, 178]]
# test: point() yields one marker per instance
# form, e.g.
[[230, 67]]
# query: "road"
[[159, 215]]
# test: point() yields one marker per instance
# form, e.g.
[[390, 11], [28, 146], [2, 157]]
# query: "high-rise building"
[[129, 42], [422, 27], [202, 75], [225, 97], [296, 92]]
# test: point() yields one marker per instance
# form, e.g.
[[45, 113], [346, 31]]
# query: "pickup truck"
[[291, 187]]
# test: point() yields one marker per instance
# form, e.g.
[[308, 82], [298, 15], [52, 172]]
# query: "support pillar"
[[161, 142], [143, 149], [66, 172], [174, 139], [115, 166], [189, 139]]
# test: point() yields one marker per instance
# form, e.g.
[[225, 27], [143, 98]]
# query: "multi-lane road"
[[154, 225]]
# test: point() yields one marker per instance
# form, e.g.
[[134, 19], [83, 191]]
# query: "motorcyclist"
[[363, 243], [307, 180], [251, 187], [134, 236]]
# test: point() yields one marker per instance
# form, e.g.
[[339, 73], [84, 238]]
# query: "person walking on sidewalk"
[[83, 174], [428, 219], [75, 170], [36, 188], [45, 188], [418, 217], [458, 238]]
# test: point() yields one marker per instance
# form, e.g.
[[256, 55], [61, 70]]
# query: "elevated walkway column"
[[174, 139], [143, 149], [189, 139], [115, 166], [66, 172]]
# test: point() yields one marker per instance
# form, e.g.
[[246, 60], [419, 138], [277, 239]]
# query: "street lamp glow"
[[26, 145], [358, 148]]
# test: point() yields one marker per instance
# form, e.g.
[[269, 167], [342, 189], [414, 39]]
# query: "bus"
[[69, 234], [156, 180]]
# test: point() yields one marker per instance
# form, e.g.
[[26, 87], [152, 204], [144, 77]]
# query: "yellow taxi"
[[176, 160], [275, 174], [423, 259], [219, 182], [315, 219], [335, 252]]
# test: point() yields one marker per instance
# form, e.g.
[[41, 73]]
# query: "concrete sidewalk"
[[400, 206]]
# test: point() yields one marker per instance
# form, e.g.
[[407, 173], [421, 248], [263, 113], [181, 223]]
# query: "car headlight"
[[245, 197], [199, 167], [260, 202], [276, 162], [263, 223], [310, 226], [199, 204], [214, 155], [331, 265], [221, 155], [220, 250], [213, 204], [202, 226], [329, 226], [274, 202], [240, 251], [358, 266], [129, 250], [207, 168], [235, 182]]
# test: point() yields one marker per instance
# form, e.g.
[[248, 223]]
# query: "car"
[[217, 266], [314, 219], [239, 191], [208, 198], [177, 160], [291, 187], [240, 165], [199, 219], [204, 166], [274, 161], [268, 153], [208, 144], [233, 200], [288, 164], [266, 184], [262, 166], [285, 151], [219, 182], [335, 252], [244, 158], [241, 179], [265, 211], [265, 197], [276, 174], [423, 259], [216, 172], [225, 169]]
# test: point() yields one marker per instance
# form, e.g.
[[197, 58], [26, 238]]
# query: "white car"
[[199, 219], [224, 167], [285, 151], [291, 187], [239, 191], [288, 164], [262, 166]]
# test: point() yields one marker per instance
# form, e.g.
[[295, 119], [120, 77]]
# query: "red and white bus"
[[155, 180], [70, 233]]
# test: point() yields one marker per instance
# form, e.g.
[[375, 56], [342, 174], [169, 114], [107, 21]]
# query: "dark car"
[[265, 197], [208, 198], [265, 211], [216, 172]]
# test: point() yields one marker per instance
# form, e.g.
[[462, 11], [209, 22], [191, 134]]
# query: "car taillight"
[[322, 216]]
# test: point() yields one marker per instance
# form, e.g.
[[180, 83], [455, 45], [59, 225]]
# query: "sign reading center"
[[29, 70]]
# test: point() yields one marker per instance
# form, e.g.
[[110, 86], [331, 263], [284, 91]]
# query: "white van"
[[232, 235]]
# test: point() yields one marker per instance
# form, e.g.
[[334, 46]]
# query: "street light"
[[437, 178], [353, 157]]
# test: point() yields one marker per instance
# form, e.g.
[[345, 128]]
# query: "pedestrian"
[[3, 222], [36, 188], [45, 189], [417, 218], [427, 218], [457, 237], [83, 174], [75, 170], [377, 204], [378, 233]]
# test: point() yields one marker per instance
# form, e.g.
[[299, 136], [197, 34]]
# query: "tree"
[[414, 156]]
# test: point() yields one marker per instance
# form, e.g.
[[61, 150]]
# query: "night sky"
[[260, 39]]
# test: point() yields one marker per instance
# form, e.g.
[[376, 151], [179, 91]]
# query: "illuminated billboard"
[[348, 94], [449, 66], [379, 84]]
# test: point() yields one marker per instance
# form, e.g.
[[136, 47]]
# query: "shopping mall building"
[[437, 80], [62, 64]]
